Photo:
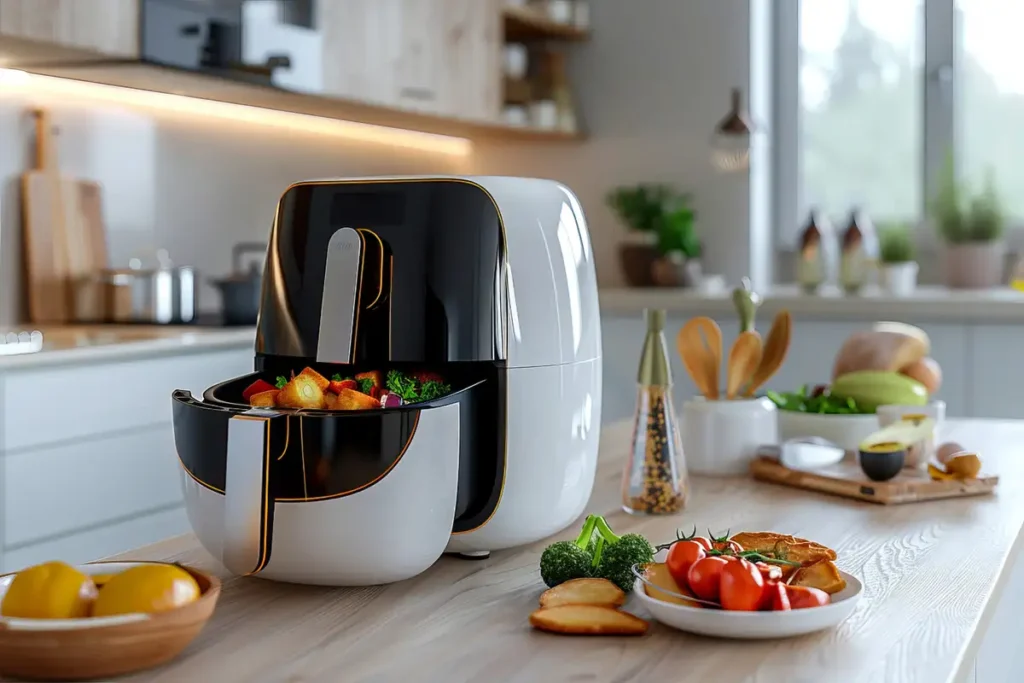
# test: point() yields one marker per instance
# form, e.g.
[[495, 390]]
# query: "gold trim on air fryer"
[[361, 487], [197, 479], [391, 299], [359, 295], [504, 245], [380, 287], [264, 555]]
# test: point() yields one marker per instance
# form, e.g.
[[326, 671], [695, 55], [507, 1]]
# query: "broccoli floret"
[[565, 560], [616, 555]]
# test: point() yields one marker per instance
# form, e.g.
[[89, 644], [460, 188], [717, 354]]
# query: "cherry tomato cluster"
[[713, 570]]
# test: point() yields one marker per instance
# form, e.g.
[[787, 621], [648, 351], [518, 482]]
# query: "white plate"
[[846, 431], [755, 625], [67, 624]]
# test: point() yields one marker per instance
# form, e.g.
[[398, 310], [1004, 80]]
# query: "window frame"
[[941, 128]]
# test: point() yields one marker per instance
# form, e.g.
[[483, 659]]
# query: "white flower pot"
[[900, 279]]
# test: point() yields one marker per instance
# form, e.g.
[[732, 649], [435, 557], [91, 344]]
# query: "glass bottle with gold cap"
[[655, 480]]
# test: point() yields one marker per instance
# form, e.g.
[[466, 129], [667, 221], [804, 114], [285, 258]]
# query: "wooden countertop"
[[932, 574]]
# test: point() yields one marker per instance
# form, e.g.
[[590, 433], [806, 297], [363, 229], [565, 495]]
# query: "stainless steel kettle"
[[240, 291]]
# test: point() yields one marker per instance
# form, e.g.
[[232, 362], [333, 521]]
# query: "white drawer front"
[[100, 543], [53, 491], [58, 404]]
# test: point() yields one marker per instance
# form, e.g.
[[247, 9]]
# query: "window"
[[873, 97], [990, 96]]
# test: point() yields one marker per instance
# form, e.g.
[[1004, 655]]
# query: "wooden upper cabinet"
[[432, 56], [109, 27]]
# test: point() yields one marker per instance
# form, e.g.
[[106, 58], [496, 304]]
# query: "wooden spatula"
[[744, 358], [700, 345], [774, 354]]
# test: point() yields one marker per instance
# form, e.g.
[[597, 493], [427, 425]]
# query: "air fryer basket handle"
[[248, 510]]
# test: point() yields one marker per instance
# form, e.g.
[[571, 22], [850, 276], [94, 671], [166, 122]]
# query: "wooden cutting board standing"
[[846, 479], [63, 231]]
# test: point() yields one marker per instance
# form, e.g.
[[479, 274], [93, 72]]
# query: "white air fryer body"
[[554, 362]]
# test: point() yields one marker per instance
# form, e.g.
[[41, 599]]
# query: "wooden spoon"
[[700, 345], [744, 358], [775, 348]]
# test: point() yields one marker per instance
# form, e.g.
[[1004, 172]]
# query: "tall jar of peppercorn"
[[655, 480]]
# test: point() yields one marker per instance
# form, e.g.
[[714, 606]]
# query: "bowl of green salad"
[[814, 411]]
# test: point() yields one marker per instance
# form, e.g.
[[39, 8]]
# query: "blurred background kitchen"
[[857, 160]]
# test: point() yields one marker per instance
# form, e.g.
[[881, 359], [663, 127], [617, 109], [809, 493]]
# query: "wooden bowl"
[[84, 649]]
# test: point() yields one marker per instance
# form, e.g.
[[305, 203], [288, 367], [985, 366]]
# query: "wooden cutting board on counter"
[[63, 231], [847, 480]]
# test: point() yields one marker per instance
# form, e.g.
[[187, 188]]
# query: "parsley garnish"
[[281, 381], [365, 385], [433, 389], [410, 389]]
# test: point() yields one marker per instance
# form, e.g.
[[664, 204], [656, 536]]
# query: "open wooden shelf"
[[526, 24], [155, 78]]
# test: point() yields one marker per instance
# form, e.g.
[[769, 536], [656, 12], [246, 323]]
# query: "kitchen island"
[[940, 600]]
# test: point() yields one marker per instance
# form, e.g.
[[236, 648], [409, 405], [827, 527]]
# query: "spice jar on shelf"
[[655, 481]]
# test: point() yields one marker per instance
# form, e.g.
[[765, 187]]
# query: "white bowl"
[[846, 431], [754, 625]]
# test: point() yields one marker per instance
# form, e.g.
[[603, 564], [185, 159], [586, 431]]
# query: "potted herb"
[[896, 254], [971, 225], [664, 248]]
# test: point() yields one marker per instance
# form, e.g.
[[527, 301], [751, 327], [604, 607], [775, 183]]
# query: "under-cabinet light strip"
[[11, 79]]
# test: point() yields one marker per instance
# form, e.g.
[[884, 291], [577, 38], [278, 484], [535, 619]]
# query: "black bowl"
[[882, 465]]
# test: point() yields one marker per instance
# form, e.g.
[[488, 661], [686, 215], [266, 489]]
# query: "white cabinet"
[[997, 373], [87, 461]]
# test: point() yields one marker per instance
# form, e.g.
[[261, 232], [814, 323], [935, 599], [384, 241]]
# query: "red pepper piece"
[[336, 386], [257, 387]]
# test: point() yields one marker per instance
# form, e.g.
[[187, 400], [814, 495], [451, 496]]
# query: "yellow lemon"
[[101, 579], [146, 588], [53, 590]]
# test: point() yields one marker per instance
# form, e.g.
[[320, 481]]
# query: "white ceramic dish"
[[754, 625], [846, 431]]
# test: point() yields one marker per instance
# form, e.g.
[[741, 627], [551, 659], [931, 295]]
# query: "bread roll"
[[884, 351], [927, 372]]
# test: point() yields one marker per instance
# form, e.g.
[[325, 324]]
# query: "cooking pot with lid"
[[240, 291]]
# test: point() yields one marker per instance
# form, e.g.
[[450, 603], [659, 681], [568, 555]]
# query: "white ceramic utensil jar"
[[721, 438]]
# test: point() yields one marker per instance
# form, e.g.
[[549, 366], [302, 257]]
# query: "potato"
[[822, 575], [583, 592], [927, 372], [264, 399], [659, 575], [317, 378], [301, 391], [587, 620], [354, 400]]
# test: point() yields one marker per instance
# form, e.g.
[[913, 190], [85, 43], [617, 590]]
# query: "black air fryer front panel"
[[444, 243]]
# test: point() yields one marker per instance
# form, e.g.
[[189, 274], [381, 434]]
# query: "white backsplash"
[[190, 184]]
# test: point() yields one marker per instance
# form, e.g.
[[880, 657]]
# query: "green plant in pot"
[[896, 257], [971, 226], [665, 249]]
